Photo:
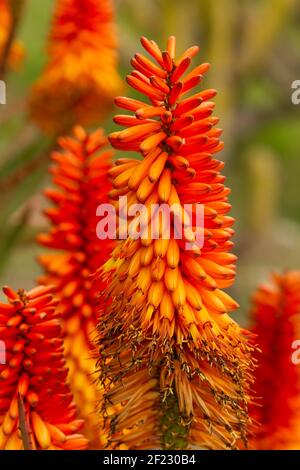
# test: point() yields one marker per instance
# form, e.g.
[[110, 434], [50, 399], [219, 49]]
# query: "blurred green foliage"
[[254, 48]]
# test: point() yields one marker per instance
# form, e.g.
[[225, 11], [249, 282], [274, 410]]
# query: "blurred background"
[[254, 49]]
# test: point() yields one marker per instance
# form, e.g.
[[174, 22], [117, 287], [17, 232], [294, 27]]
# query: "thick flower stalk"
[[80, 79], [276, 307], [80, 175], [36, 405], [16, 50], [174, 359]]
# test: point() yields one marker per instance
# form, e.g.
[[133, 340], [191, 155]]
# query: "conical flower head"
[[81, 185], [276, 315], [36, 404], [168, 312], [80, 79]]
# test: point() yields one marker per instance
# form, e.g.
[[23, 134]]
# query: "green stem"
[[24, 425], [175, 428]]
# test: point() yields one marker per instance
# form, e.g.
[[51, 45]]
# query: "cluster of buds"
[[36, 405]]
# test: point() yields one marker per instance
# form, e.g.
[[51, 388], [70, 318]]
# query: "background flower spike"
[[275, 314], [80, 79], [11, 49], [36, 407], [79, 173]]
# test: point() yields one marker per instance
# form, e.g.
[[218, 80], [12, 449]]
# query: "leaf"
[[19, 195], [30, 153], [10, 238]]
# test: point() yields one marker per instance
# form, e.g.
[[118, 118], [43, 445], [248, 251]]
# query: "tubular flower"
[[80, 79], [35, 403], [80, 172], [16, 52], [276, 315], [174, 359]]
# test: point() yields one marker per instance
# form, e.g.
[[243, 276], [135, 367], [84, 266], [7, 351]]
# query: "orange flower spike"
[[276, 316], [80, 174], [80, 79], [35, 399], [16, 52], [168, 313]]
